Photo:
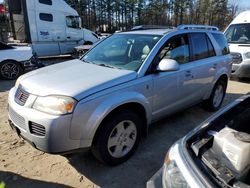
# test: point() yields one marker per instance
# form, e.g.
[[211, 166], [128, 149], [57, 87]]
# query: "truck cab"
[[51, 26], [238, 37]]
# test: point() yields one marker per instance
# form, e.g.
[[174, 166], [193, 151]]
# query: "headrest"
[[146, 50]]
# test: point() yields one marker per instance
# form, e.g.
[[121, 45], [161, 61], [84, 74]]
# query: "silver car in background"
[[106, 100]]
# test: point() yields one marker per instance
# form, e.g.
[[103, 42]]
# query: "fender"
[[108, 105]]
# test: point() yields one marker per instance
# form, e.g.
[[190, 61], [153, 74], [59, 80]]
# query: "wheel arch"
[[6, 60], [224, 77], [133, 106]]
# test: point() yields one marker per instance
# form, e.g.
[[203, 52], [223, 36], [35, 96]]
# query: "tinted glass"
[[222, 42], [122, 51], [46, 17], [4, 46], [176, 48], [211, 51], [46, 2], [238, 33], [200, 46]]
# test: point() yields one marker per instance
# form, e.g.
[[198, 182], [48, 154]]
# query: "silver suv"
[[106, 100]]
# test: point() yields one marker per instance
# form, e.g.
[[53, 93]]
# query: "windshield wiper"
[[109, 66], [86, 61]]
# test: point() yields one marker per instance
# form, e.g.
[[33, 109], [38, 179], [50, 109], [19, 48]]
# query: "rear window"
[[222, 42], [202, 47]]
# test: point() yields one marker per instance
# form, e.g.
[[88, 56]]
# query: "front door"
[[173, 90], [74, 34]]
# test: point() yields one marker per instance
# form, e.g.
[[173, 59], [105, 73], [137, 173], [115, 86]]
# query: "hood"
[[73, 78], [239, 48], [18, 53]]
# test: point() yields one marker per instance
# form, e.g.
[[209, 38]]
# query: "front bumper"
[[56, 138], [241, 70]]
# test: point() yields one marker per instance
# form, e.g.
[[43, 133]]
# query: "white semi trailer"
[[52, 27]]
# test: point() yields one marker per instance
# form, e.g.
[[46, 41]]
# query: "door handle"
[[215, 66], [189, 74], [68, 37]]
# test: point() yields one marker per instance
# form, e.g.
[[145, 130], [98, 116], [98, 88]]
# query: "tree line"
[[113, 15]]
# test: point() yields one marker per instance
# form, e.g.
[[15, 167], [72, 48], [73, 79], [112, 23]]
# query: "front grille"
[[236, 57], [37, 129], [17, 119], [21, 96]]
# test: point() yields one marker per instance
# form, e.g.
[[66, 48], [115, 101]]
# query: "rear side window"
[[46, 17], [222, 42], [202, 46], [46, 2], [211, 51]]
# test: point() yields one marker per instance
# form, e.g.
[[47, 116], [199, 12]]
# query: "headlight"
[[247, 55], [172, 176], [55, 105]]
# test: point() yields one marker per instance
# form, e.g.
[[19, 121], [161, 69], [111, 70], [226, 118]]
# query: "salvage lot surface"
[[23, 166]]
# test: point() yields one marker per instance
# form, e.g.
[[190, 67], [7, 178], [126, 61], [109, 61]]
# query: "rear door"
[[205, 64]]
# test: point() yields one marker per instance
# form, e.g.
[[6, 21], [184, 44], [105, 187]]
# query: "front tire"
[[214, 102], [117, 138], [10, 70]]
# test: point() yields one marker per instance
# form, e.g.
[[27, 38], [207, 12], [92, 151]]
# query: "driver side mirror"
[[167, 65]]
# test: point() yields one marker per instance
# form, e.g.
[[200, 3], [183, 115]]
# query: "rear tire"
[[117, 138], [214, 102], [10, 70]]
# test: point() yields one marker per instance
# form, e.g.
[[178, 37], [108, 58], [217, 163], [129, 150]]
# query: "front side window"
[[176, 48], [122, 51], [46, 17], [238, 33], [73, 22]]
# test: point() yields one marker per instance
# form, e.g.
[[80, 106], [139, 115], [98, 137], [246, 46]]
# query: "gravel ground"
[[23, 166]]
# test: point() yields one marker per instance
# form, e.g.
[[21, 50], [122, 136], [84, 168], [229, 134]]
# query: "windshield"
[[122, 51], [5, 46], [238, 33]]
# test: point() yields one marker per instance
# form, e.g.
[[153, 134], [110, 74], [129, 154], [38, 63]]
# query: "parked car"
[[14, 60], [215, 154], [238, 37], [106, 100]]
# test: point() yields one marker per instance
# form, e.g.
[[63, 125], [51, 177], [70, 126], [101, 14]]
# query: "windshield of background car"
[[238, 33], [5, 46], [122, 51]]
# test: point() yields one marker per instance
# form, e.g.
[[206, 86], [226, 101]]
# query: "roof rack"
[[145, 27], [207, 27]]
